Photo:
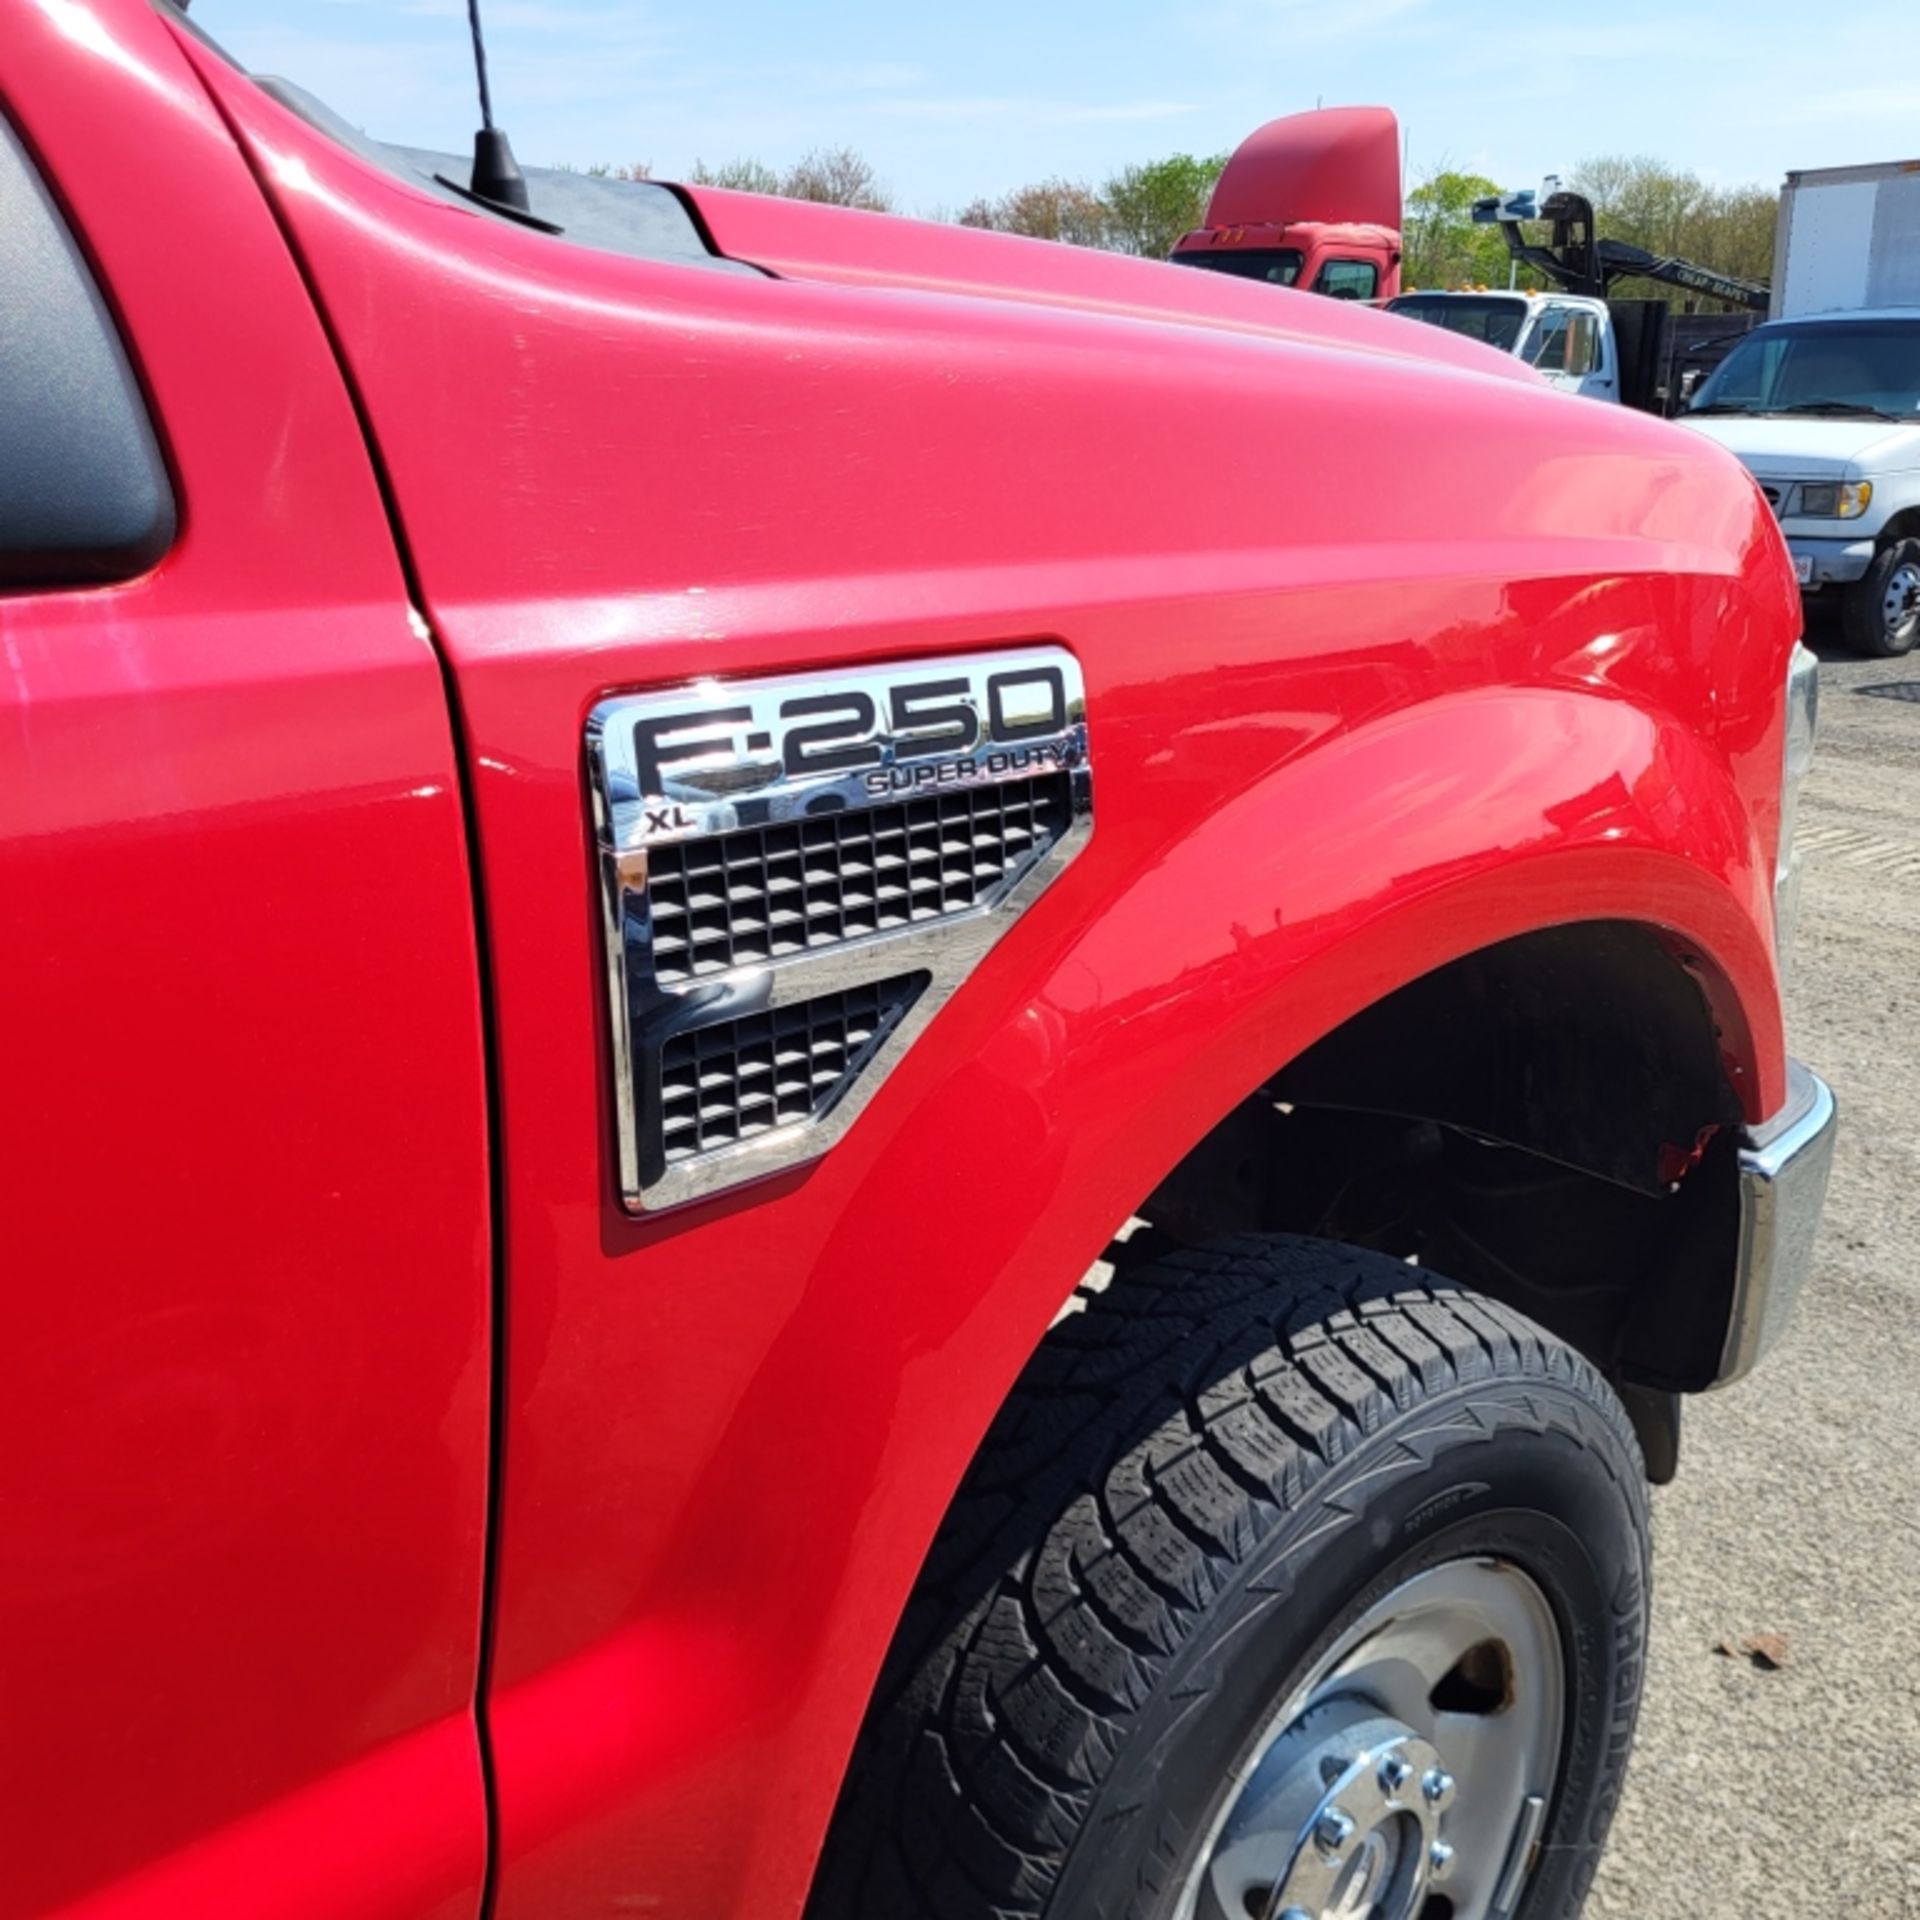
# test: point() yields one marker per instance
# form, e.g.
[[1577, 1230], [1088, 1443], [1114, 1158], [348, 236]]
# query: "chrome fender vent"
[[796, 874], [730, 1080]]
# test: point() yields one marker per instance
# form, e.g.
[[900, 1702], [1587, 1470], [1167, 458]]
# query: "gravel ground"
[[1772, 1795]]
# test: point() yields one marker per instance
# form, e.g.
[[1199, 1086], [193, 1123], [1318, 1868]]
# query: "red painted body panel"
[[1389, 654], [803, 241], [1336, 163], [243, 1155], [1385, 658]]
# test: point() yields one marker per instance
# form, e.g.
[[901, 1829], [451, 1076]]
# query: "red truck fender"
[[1069, 1079]]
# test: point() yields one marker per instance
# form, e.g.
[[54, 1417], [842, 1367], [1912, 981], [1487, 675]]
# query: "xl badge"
[[797, 872]]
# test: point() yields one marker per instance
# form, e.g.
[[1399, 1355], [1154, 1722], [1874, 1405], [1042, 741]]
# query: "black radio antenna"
[[496, 174]]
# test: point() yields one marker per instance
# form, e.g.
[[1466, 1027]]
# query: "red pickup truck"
[[849, 1068]]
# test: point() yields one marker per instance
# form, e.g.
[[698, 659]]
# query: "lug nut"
[[1440, 1859], [1437, 1784], [1333, 1830], [1395, 1771]]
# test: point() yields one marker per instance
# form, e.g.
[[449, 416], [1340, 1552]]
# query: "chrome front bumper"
[[1783, 1180]]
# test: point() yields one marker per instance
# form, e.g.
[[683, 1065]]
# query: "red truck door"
[[244, 1235]]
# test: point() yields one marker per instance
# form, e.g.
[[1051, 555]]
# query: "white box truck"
[[1847, 238]]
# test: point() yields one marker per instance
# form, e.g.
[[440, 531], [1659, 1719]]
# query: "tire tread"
[[1259, 1365]]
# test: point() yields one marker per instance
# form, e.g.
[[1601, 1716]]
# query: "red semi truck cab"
[[1310, 200], [833, 1084]]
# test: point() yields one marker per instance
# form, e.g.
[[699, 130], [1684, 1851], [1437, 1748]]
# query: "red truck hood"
[[800, 240]]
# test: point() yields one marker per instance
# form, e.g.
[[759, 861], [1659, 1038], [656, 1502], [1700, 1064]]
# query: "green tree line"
[[1143, 209], [1140, 209], [838, 176]]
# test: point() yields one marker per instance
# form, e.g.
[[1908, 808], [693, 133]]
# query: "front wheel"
[[1292, 1583], [1880, 614]]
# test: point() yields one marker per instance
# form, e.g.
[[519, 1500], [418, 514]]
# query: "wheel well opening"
[[1549, 1120], [1904, 525]]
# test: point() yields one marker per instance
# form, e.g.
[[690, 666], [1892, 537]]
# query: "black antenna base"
[[496, 173]]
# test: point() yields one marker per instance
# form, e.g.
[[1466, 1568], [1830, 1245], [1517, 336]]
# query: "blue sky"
[[949, 102]]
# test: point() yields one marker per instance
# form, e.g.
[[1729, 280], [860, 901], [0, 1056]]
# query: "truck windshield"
[[1869, 368], [1280, 265], [1495, 318]]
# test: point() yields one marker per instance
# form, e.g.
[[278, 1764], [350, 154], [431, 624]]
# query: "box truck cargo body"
[[1848, 237]]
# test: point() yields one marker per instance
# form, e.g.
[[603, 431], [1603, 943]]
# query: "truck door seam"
[[489, 1036]]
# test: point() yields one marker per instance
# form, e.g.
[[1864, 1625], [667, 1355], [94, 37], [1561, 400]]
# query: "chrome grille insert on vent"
[[797, 873], [766, 893], [738, 1078]]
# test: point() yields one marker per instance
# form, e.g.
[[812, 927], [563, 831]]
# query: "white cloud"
[[1056, 113], [1297, 25], [1895, 100], [1556, 53], [862, 76]]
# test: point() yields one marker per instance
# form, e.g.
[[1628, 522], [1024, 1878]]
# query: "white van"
[[1824, 410]]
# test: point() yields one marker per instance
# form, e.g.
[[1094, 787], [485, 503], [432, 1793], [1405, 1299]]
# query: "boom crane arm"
[[1580, 263]]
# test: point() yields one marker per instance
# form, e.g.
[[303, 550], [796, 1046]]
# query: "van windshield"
[[1842, 368], [1495, 318], [1279, 265]]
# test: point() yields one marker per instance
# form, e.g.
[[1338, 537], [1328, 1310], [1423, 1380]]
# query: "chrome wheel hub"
[[1355, 1800], [1419, 1755], [1900, 606]]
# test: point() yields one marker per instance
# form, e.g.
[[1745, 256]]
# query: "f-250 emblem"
[[692, 762], [796, 874]]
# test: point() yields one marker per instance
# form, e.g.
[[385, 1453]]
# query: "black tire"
[[1267, 1417], [1870, 618]]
